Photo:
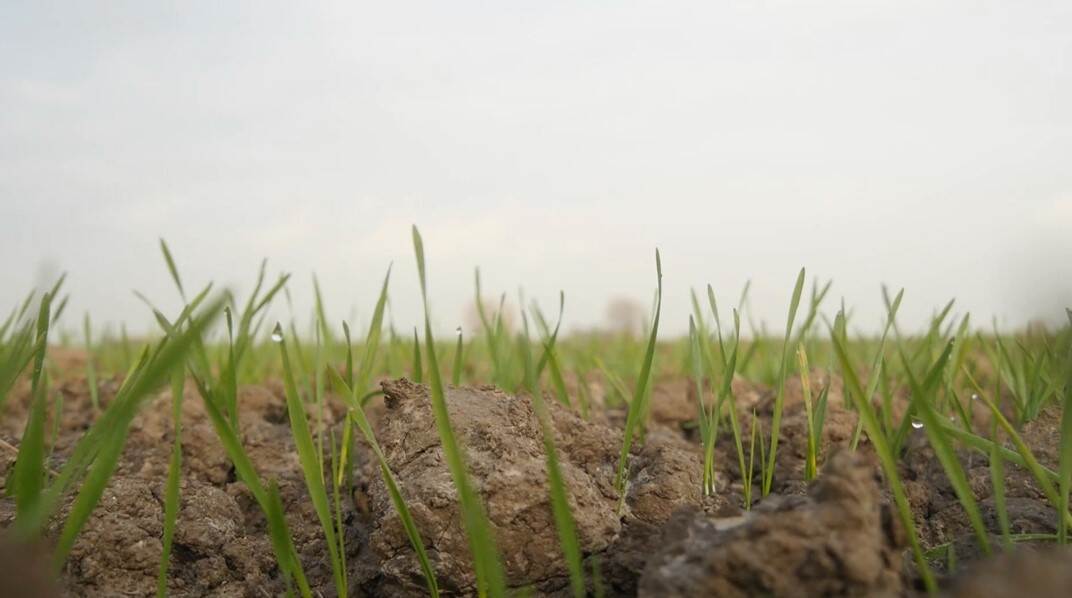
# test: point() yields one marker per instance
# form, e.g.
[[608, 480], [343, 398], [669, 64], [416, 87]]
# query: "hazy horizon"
[[555, 146]]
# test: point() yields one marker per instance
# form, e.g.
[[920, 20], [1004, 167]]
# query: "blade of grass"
[[268, 499], [357, 415], [922, 398], [637, 406], [886, 458], [171, 489], [171, 267], [456, 370], [490, 578], [310, 461], [171, 353], [560, 508], [29, 474], [779, 399], [805, 387], [418, 368], [997, 482], [91, 370], [876, 363]]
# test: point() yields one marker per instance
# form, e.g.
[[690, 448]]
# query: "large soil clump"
[[838, 541], [506, 462]]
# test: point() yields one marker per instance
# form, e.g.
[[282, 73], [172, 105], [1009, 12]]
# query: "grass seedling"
[[91, 368], [267, 498], [638, 405], [490, 579], [747, 478], [725, 394], [560, 508], [100, 448], [779, 399], [459, 350], [813, 432], [171, 490], [359, 382], [29, 474], [357, 415], [311, 464], [584, 394], [418, 368], [492, 336], [997, 482], [876, 363], [171, 268], [885, 455], [549, 357], [1065, 455], [705, 420], [923, 397]]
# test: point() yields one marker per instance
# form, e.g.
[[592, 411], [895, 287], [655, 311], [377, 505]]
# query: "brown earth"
[[832, 537], [840, 540]]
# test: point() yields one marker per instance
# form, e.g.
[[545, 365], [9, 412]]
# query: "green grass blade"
[[357, 415], [997, 482], [372, 341], [171, 267], [810, 468], [91, 370], [171, 490], [29, 474], [564, 522], [922, 398], [638, 407], [310, 462], [270, 505], [418, 367], [704, 420], [171, 354], [456, 370], [779, 399], [489, 573], [560, 509], [886, 458], [876, 363], [1065, 466]]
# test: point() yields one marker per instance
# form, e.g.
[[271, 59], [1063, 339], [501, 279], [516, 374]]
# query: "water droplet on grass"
[[458, 330], [917, 424], [277, 334], [975, 397]]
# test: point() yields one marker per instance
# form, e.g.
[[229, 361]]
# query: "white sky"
[[555, 144]]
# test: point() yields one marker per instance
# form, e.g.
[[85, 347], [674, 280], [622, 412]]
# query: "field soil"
[[837, 536]]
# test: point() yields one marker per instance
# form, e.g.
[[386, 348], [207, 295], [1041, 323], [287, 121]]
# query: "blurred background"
[[553, 144]]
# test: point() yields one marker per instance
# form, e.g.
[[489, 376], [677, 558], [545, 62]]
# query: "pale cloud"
[[554, 145]]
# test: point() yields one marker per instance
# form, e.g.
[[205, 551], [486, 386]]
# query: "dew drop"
[[277, 334], [975, 397], [917, 424], [458, 330]]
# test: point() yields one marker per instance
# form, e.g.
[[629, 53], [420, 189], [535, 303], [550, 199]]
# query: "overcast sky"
[[555, 144]]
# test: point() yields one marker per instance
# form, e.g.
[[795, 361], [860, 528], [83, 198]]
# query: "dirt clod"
[[505, 458], [839, 541], [1038, 573]]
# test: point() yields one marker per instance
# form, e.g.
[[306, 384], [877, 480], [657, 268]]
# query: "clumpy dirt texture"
[[505, 457], [1042, 573], [221, 545], [839, 541], [834, 536]]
